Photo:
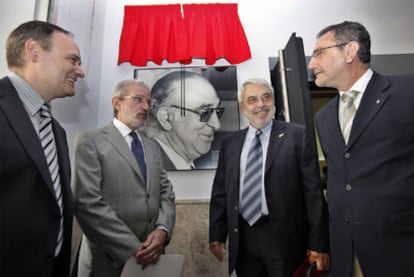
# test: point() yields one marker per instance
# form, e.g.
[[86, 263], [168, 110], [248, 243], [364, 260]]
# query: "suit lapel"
[[20, 122], [277, 136], [372, 101], [235, 149], [118, 142]]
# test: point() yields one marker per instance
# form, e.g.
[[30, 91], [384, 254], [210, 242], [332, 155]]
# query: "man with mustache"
[[270, 207], [124, 200]]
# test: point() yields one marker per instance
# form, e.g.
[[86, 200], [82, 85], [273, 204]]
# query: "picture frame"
[[224, 81]]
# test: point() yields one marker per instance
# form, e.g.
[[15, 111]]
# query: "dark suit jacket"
[[371, 180], [29, 213], [293, 194]]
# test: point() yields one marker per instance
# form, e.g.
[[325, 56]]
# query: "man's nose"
[[214, 121]]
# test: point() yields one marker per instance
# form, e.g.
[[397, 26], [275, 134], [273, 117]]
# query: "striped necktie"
[[47, 140], [251, 201], [348, 113]]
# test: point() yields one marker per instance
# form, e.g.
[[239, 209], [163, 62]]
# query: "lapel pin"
[[378, 101], [281, 135]]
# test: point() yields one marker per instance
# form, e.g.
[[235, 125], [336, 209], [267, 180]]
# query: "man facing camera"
[[267, 194]]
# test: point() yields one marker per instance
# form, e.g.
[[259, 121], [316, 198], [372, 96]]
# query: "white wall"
[[268, 25]]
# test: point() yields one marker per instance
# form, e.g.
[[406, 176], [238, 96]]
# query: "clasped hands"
[[151, 249]]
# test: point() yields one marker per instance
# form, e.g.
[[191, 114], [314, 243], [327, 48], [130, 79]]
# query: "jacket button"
[[346, 221], [348, 187], [347, 155], [236, 230], [235, 208]]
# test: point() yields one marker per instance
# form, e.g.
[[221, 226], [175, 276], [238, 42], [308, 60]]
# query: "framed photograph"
[[184, 151]]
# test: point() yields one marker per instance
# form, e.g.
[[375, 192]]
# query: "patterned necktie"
[[47, 140], [138, 151], [348, 113], [251, 202]]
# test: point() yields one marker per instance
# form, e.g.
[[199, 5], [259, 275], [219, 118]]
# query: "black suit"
[[293, 194], [29, 213], [371, 180]]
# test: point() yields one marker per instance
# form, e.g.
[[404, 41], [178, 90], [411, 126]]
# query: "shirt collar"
[[122, 128], [361, 84], [30, 97]]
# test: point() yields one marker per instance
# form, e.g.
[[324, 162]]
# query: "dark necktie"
[[49, 148], [251, 202], [138, 151]]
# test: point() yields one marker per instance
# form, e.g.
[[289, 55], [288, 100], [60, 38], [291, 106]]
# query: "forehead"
[[198, 93], [65, 43], [135, 89], [255, 90]]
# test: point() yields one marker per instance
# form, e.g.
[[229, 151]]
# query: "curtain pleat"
[[160, 32], [153, 33], [215, 31]]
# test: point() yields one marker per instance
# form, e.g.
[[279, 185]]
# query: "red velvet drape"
[[153, 33], [159, 32], [215, 31]]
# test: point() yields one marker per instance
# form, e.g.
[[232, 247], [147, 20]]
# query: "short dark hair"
[[37, 30], [352, 31]]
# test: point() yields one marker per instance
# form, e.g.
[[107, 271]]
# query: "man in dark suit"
[[371, 162], [125, 210], [36, 209], [292, 213]]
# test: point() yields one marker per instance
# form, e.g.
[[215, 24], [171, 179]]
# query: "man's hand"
[[151, 249], [218, 249], [321, 260]]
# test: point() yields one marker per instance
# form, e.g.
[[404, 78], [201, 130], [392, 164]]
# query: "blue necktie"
[[251, 202], [138, 151]]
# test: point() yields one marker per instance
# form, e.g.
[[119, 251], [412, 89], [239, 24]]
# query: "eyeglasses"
[[204, 113], [253, 100], [137, 99], [318, 52]]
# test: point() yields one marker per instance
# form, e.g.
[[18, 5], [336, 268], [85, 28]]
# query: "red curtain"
[[215, 31], [159, 32], [153, 33]]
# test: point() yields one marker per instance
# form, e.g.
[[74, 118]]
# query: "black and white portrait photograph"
[[192, 108]]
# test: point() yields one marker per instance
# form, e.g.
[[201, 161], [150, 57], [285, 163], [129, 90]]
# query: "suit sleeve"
[[96, 218], [218, 201], [166, 214], [315, 203]]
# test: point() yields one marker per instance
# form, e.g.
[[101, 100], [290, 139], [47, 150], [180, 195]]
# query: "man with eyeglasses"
[[369, 154], [124, 200], [185, 114], [268, 200]]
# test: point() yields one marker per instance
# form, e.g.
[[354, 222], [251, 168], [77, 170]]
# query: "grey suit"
[[113, 207]]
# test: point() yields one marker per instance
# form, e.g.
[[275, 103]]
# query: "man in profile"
[[183, 127]]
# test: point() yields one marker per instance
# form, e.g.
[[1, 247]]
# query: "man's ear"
[[351, 51], [164, 118], [32, 48]]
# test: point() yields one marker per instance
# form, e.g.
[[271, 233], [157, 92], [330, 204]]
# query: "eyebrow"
[[203, 106]]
